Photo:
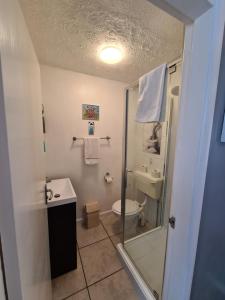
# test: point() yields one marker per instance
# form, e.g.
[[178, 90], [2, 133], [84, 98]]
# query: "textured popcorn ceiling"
[[68, 34]]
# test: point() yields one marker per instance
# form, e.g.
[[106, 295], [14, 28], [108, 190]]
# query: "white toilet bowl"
[[133, 208], [149, 185], [133, 214]]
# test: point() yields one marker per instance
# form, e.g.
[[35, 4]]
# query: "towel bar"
[[102, 138]]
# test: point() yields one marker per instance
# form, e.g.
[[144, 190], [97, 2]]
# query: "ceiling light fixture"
[[111, 55]]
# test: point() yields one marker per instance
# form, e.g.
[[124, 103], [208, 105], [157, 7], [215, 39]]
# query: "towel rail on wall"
[[102, 138]]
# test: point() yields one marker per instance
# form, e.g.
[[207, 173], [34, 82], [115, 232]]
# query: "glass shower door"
[[145, 204]]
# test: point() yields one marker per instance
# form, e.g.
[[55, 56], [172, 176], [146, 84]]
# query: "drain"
[[56, 195]]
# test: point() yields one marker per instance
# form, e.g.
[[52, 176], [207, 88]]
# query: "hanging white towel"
[[91, 150], [151, 87]]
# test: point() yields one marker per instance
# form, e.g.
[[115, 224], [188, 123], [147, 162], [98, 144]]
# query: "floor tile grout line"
[[84, 273], [110, 238], [104, 228], [120, 269], [105, 276], [112, 242], [80, 248], [67, 297], [108, 234]]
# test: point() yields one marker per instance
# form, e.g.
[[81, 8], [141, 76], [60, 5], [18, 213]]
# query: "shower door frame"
[[144, 286], [197, 102], [124, 164], [173, 63]]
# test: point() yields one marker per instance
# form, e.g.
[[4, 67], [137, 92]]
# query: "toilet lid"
[[132, 207]]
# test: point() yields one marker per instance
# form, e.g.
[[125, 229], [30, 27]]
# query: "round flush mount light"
[[111, 55]]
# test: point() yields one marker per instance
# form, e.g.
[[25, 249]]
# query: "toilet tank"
[[148, 184]]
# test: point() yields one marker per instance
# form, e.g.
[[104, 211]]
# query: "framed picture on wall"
[[152, 138], [90, 112]]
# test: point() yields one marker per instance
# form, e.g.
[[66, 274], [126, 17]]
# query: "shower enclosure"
[[147, 178]]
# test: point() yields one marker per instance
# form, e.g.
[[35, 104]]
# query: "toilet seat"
[[132, 207]]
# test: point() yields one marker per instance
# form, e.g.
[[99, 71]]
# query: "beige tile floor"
[[86, 237], [116, 239], [150, 266], [69, 283], [117, 286], [99, 261], [112, 223], [133, 231], [82, 295], [100, 273]]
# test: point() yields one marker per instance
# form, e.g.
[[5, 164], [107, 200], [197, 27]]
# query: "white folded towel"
[[91, 150], [151, 87]]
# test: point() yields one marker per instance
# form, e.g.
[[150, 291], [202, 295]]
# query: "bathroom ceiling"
[[69, 33]]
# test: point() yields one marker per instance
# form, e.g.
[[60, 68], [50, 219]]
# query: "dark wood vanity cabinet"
[[62, 238]]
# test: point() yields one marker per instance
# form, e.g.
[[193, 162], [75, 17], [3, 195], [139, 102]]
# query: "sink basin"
[[63, 192], [148, 184], [148, 177]]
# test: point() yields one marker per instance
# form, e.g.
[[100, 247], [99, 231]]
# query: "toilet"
[[133, 216], [133, 208]]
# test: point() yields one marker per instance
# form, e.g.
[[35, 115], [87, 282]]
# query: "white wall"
[[63, 95], [23, 217]]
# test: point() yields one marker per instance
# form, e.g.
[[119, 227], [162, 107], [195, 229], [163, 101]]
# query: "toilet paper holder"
[[108, 178]]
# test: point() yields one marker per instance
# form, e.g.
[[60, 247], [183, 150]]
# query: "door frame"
[[201, 62], [7, 222]]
